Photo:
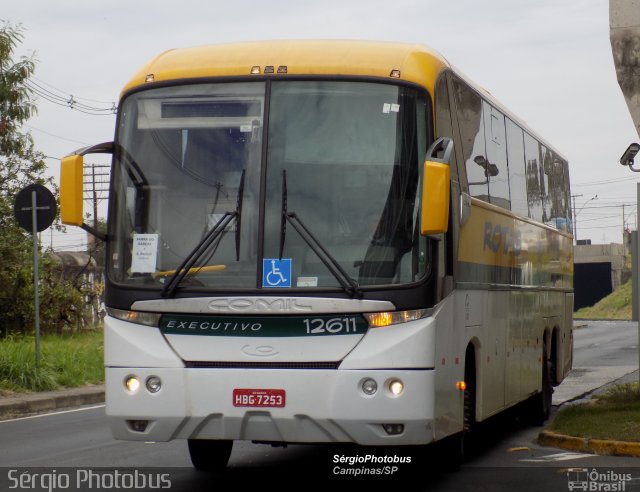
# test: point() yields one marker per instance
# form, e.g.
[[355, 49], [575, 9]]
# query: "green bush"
[[66, 361]]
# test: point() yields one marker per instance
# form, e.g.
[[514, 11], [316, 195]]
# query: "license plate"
[[248, 397]]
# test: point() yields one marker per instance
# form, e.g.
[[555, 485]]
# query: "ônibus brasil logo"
[[594, 480]]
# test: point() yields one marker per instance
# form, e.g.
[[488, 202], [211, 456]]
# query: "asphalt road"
[[63, 446]]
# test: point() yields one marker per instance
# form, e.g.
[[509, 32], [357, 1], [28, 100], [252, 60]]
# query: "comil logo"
[[597, 481], [259, 305]]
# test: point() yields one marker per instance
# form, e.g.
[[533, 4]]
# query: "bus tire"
[[547, 388], [208, 454], [469, 407], [540, 404]]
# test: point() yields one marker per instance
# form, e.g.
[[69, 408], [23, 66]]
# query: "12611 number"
[[317, 326]]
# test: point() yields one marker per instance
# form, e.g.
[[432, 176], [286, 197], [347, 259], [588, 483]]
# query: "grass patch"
[[613, 415], [67, 361], [616, 305]]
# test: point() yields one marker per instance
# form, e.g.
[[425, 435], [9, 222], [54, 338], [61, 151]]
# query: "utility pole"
[[95, 198], [96, 186], [575, 218], [624, 234], [576, 212]]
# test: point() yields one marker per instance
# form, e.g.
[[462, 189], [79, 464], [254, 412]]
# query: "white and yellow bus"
[[326, 242]]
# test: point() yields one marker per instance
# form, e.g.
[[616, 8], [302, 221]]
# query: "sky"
[[549, 62]]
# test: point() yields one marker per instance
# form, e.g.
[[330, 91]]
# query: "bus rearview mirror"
[[436, 185], [71, 193], [434, 217]]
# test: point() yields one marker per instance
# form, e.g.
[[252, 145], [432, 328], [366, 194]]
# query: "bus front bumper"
[[320, 405]]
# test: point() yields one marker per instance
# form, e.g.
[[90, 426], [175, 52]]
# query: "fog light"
[[138, 425], [369, 386], [132, 383], [393, 429], [396, 387], [153, 384]]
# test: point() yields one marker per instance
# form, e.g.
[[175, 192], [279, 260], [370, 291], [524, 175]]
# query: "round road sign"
[[45, 207]]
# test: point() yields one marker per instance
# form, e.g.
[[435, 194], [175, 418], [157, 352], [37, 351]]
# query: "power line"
[[599, 183], [66, 99], [55, 136], [60, 90]]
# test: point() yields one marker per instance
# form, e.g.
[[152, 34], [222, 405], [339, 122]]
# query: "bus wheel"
[[208, 454], [547, 388], [469, 411], [540, 404]]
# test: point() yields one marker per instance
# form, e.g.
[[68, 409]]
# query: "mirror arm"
[[94, 232], [478, 183], [101, 148], [71, 171], [442, 144]]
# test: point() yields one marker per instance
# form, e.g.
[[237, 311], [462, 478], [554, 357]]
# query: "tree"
[[22, 164]]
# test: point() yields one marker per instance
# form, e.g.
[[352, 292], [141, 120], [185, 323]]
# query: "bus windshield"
[[193, 158]]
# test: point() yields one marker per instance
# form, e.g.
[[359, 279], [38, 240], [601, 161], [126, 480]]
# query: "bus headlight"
[[396, 387], [132, 383]]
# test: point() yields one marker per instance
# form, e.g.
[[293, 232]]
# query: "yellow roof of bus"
[[416, 63]]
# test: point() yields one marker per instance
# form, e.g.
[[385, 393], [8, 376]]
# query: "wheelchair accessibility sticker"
[[276, 273]]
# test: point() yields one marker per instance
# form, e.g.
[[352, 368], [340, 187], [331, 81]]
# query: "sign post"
[[34, 210]]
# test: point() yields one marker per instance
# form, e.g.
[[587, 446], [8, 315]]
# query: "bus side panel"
[[524, 346], [449, 367], [492, 361], [515, 275], [515, 365], [565, 356], [533, 330]]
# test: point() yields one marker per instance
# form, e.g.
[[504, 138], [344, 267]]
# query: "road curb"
[[596, 446], [33, 403]]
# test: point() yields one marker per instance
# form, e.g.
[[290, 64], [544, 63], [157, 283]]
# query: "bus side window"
[[496, 156], [557, 194], [534, 193], [566, 193], [469, 112], [517, 171], [545, 174]]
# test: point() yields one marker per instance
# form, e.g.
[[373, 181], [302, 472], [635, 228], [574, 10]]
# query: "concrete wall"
[[603, 253], [624, 32]]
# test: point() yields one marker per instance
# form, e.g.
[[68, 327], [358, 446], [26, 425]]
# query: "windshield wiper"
[[283, 213], [239, 214], [170, 288], [348, 284]]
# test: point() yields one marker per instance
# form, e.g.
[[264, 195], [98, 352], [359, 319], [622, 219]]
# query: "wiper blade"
[[283, 213], [210, 238], [239, 214], [169, 290], [349, 285]]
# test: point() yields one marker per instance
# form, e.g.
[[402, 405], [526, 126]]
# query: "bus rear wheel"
[[208, 454], [540, 404]]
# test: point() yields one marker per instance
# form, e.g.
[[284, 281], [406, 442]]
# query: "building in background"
[[598, 271]]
